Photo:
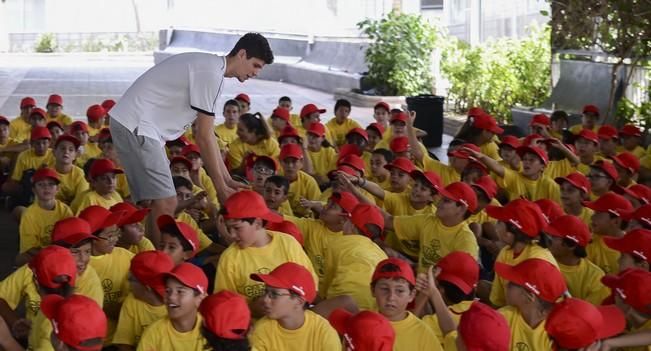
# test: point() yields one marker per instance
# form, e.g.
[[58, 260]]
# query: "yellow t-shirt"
[[39, 334], [327, 194], [491, 149], [316, 237], [519, 186], [20, 130], [88, 151], [399, 204], [72, 185], [122, 185], [584, 281], [645, 161], [303, 187], [456, 311], [302, 132], [143, 245], [236, 265], [315, 334], [448, 174], [586, 215], [436, 239], [600, 254], [561, 168], [161, 335], [523, 336], [208, 186], [413, 334], [323, 161], [339, 131], [227, 135], [204, 240], [135, 317], [483, 217], [92, 198], [350, 263], [29, 160], [577, 128], [36, 224], [639, 151], [61, 118], [507, 256], [237, 150]]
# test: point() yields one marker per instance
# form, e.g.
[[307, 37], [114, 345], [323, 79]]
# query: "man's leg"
[[159, 207]]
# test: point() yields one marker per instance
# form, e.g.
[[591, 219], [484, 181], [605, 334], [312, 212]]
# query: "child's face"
[[174, 150], [377, 165], [342, 112], [630, 142], [82, 255], [278, 303], [392, 297], [54, 109], [195, 158], [132, 233], [585, 148], [40, 146], [231, 115], [46, 189], [289, 140], [314, 141], [65, 152], [36, 120], [244, 106], [291, 167], [180, 169], [105, 184], [26, 111], [139, 291], [287, 105], [260, 174], [516, 296], [399, 180], [242, 233], [570, 195], [623, 173], [471, 174], [183, 193], [559, 124], [96, 124], [56, 132], [373, 138], [108, 150], [81, 135], [602, 223], [278, 123], [4, 131], [420, 192], [589, 121], [459, 164], [332, 214], [626, 261], [172, 246], [503, 234], [607, 146], [182, 302], [108, 237], [274, 196], [507, 153], [381, 115], [311, 118], [245, 135], [399, 128], [447, 208], [557, 248], [531, 165], [599, 181]]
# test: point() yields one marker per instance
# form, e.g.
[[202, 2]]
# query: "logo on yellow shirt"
[[520, 346], [431, 253]]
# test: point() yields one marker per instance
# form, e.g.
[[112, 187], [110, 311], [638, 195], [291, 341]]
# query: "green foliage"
[[399, 58], [639, 114], [499, 74], [46, 43]]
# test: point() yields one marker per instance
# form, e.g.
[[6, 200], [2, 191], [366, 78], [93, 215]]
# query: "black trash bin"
[[429, 117]]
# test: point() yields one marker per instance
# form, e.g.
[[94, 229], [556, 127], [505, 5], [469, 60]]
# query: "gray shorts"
[[145, 163]]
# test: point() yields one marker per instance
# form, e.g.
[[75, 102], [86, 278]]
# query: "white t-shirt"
[[164, 101]]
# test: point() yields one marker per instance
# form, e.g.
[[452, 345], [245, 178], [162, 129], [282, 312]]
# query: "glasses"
[[111, 236], [263, 170], [273, 294]]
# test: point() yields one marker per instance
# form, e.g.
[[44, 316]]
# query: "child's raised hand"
[[472, 152]]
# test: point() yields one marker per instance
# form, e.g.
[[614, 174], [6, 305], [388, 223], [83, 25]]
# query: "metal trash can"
[[429, 117]]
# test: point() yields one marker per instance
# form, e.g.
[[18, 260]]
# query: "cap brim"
[[498, 212], [617, 244], [456, 281], [459, 154], [610, 281], [272, 217], [593, 206], [508, 273], [135, 217], [391, 166], [76, 238], [496, 130], [165, 220], [614, 321], [50, 305], [163, 276], [270, 280], [338, 319]]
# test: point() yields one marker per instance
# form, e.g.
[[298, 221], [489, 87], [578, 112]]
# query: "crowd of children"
[[347, 237]]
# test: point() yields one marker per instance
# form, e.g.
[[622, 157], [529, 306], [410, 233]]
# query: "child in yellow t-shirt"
[[324, 158], [105, 142], [630, 137], [634, 249], [253, 138], [38, 219], [288, 325], [103, 186], [399, 175], [55, 110], [198, 174], [567, 238], [73, 181], [185, 287], [227, 131], [589, 120], [302, 185], [132, 230], [20, 127], [341, 123], [95, 115], [575, 189], [608, 141], [276, 193], [628, 166], [56, 129], [179, 240], [227, 321], [87, 149], [394, 286], [285, 102], [263, 168], [377, 171], [144, 304], [279, 120]]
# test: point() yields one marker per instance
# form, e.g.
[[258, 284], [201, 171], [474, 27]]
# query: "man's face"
[[249, 67]]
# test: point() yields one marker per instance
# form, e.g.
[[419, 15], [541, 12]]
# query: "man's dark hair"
[[256, 46], [342, 102]]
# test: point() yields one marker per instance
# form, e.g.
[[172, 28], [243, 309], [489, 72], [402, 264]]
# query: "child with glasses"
[[103, 187]]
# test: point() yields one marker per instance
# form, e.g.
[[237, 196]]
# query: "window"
[[431, 4]]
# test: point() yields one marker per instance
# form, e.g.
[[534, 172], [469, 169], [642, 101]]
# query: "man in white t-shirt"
[[162, 103]]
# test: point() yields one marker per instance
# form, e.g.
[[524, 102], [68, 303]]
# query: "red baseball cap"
[[39, 111], [104, 134], [399, 144], [95, 112], [383, 105], [359, 131], [462, 193], [591, 109], [510, 140], [332, 175], [611, 203], [364, 331], [523, 214], [188, 233], [459, 152], [148, 266], [575, 324], [27, 102], [487, 185], [289, 228], [627, 161], [189, 275], [226, 314], [542, 155], [588, 135], [317, 129], [349, 149], [577, 180], [243, 97], [108, 104], [103, 166], [639, 192], [377, 126], [353, 161], [541, 119], [459, 269], [67, 137], [51, 262], [537, 276], [432, 178], [281, 113], [249, 204], [475, 111], [607, 132], [291, 150], [630, 130], [76, 321], [346, 200], [400, 270], [641, 214], [39, 132], [402, 163], [130, 213], [399, 117], [636, 242], [310, 109], [100, 218], [79, 126], [181, 159], [4, 120], [291, 276], [529, 139], [606, 167], [71, 231], [570, 227], [269, 161], [482, 328], [550, 209], [365, 214], [633, 285], [289, 131], [190, 148], [45, 173], [55, 99], [486, 122]]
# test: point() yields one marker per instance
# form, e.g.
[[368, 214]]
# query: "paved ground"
[[86, 79]]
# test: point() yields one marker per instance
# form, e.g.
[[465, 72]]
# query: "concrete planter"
[[368, 100]]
